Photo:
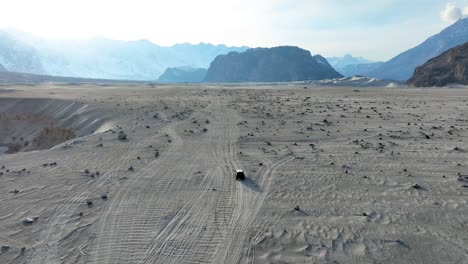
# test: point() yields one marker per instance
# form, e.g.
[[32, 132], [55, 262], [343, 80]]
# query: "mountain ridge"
[[103, 58], [402, 66]]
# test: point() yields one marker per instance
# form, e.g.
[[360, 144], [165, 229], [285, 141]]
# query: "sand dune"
[[34, 123], [334, 175]]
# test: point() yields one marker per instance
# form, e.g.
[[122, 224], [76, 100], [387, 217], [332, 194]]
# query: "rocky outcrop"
[[183, 75], [402, 66], [451, 67], [278, 64]]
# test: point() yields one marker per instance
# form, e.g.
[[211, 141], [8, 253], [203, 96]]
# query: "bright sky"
[[375, 29]]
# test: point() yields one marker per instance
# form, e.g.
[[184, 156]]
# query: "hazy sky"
[[375, 29]]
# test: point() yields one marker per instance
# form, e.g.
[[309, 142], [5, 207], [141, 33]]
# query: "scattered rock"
[[122, 136], [6, 247], [28, 220]]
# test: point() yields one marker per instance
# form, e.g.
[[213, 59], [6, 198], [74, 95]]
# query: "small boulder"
[[28, 220], [122, 136], [6, 247]]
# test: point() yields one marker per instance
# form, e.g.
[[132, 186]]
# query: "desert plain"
[[146, 174]]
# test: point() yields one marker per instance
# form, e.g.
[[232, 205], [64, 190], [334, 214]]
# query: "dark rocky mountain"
[[278, 64], [183, 74], [402, 66], [364, 69], [451, 67]]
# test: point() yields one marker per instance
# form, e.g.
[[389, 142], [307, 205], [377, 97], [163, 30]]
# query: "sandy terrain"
[[334, 175]]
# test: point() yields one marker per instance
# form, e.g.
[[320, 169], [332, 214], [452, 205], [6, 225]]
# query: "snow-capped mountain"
[[102, 58], [364, 69], [19, 56], [402, 66], [340, 62], [349, 65]]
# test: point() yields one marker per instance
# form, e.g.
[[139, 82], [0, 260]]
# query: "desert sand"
[[334, 174]]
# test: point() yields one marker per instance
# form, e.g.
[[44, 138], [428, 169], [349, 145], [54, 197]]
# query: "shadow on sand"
[[247, 182]]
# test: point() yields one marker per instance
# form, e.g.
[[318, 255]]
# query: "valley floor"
[[334, 175]]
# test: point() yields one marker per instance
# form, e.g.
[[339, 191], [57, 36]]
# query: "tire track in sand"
[[47, 249]]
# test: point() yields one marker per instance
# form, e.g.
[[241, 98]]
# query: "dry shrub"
[[13, 147], [51, 136]]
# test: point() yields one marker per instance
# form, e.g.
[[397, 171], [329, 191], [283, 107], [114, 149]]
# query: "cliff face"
[[279, 64], [451, 67]]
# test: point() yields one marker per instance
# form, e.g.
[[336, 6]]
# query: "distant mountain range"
[[402, 66], [185, 74], [451, 67], [101, 58], [17, 56], [350, 66], [278, 64], [340, 62], [364, 69]]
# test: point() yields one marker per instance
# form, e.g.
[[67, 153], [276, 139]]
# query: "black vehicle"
[[240, 176]]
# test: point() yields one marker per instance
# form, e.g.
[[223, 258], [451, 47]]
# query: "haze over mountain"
[[364, 69], [347, 59], [183, 74], [2, 69], [278, 64], [350, 66], [402, 66], [451, 67], [101, 58], [18, 56]]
